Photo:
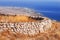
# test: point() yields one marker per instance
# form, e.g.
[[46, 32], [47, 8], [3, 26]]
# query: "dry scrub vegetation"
[[15, 19]]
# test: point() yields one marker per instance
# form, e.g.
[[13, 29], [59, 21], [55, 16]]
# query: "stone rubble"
[[30, 28]]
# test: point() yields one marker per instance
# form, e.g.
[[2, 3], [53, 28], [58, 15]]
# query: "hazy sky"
[[33, 0]]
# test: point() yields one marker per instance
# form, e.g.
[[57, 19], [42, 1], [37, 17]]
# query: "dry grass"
[[15, 19]]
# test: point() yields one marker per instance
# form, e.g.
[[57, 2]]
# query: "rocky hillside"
[[25, 24]]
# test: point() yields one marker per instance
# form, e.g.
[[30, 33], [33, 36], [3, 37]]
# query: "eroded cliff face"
[[25, 26]]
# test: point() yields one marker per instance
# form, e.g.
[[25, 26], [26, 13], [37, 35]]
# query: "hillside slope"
[[24, 24]]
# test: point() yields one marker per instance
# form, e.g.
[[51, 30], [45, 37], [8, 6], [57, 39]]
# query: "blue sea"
[[48, 9]]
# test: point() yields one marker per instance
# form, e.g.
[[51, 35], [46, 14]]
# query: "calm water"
[[49, 9]]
